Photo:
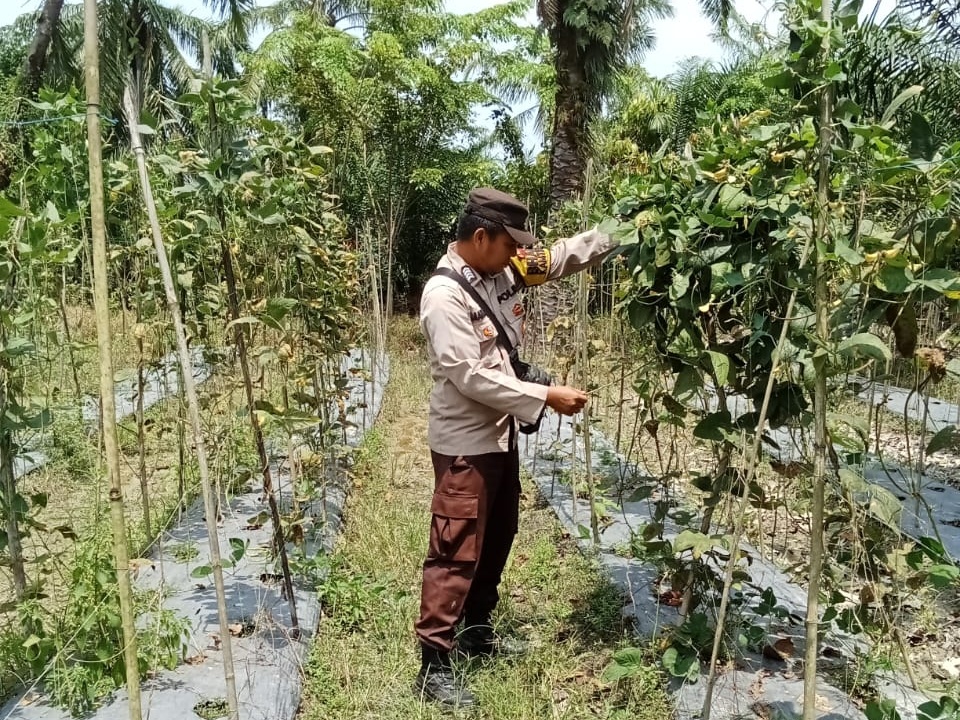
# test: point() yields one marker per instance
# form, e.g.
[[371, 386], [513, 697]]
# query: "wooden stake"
[[101, 302], [139, 332], [821, 437], [585, 363], [193, 404]]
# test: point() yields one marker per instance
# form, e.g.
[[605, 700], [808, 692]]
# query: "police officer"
[[475, 405]]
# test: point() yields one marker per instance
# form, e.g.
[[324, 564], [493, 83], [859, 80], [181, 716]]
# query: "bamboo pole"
[[139, 332], [193, 404], [585, 364], [821, 439], [101, 302], [9, 389]]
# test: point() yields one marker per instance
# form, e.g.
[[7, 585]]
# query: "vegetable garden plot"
[[267, 660], [769, 608], [909, 501], [160, 382]]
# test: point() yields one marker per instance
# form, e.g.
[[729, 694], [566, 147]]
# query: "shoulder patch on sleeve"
[[532, 266]]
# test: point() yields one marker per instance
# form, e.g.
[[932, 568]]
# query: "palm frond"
[[942, 16], [885, 58]]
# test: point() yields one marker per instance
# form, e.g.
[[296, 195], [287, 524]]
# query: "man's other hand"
[[566, 400]]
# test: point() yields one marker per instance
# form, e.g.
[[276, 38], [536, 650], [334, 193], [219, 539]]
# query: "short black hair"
[[468, 224]]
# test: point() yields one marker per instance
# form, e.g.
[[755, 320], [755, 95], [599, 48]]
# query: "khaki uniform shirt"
[[476, 395]]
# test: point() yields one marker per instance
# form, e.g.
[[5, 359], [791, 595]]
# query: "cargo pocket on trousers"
[[454, 532]]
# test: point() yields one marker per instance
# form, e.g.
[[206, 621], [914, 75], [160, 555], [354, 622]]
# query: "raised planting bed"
[[267, 660]]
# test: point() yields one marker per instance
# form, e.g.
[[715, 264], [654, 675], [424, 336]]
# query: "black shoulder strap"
[[502, 339]]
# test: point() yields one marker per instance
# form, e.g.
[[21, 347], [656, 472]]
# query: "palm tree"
[[944, 17], [36, 59], [642, 110], [155, 48], [914, 46], [591, 43], [331, 12]]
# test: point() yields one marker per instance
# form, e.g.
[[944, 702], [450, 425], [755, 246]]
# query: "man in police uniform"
[[475, 404]]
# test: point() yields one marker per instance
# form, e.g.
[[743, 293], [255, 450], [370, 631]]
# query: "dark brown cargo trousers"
[[476, 509]]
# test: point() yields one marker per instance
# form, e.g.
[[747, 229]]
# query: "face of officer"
[[489, 252]]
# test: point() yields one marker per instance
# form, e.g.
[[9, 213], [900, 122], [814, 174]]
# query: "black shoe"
[[482, 641], [437, 682]]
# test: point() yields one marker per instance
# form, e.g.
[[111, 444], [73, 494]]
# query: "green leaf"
[[40, 420], [838, 425], [946, 709], [681, 665], [894, 279], [17, 346], [865, 344], [238, 548], [626, 663], [879, 501], [51, 213], [942, 440], [8, 209], [201, 571], [881, 710], [921, 137], [673, 406], [629, 656], [721, 367], [781, 81], [641, 313], [679, 286], [716, 427], [953, 368], [696, 542], [910, 92], [846, 109], [732, 200], [615, 672], [834, 73], [277, 309], [939, 280], [846, 253], [688, 382], [248, 320], [943, 576]]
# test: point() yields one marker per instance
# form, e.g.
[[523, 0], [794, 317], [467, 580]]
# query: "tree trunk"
[[568, 141], [193, 406], [101, 301], [568, 159], [36, 60]]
